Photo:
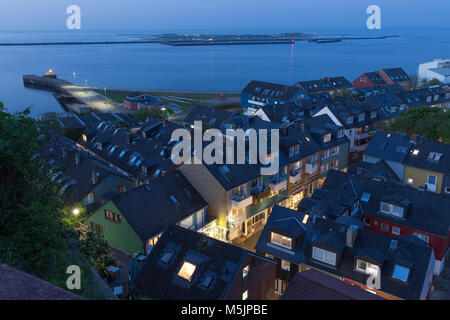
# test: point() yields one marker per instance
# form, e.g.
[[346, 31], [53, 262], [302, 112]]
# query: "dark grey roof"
[[423, 161], [315, 285], [379, 170], [396, 74], [271, 90], [213, 258], [368, 245], [326, 83], [152, 207], [425, 211], [389, 146], [375, 78], [209, 116]]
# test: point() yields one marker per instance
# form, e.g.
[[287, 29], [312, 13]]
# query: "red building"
[[369, 79]]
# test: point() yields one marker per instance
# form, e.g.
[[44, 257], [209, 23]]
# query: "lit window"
[[187, 270], [400, 273], [305, 219], [391, 209], [281, 241], [285, 265], [366, 267], [245, 272], [415, 152], [327, 138], [410, 181], [245, 295]]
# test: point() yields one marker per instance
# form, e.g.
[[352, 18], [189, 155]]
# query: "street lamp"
[[76, 212]]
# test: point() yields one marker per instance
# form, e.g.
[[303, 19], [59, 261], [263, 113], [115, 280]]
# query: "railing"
[[242, 201], [311, 168], [295, 176]]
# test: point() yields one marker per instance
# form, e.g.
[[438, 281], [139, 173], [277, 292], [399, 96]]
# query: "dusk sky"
[[205, 15]]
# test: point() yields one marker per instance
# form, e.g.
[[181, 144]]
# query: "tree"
[[433, 123]]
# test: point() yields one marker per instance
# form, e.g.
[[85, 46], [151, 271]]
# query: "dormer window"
[[281, 241], [187, 271], [349, 120], [340, 133], [324, 256], [433, 156], [401, 273], [245, 272], [391, 209], [361, 117], [327, 138], [366, 267], [373, 114], [415, 152]]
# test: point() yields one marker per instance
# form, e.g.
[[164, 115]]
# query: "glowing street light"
[[76, 211]]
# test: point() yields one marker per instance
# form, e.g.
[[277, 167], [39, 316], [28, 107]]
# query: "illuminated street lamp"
[[76, 212]]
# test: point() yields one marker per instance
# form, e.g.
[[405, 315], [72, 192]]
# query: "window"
[[327, 138], [324, 168], [122, 189], [421, 236], [447, 189], [285, 265], [395, 230], [433, 156], [409, 181], [91, 197], [334, 164], [324, 256], [366, 267], [384, 227], [367, 221], [400, 273], [326, 154], [97, 229], [245, 272], [415, 152], [391, 209], [187, 270], [334, 151], [167, 256], [340, 133], [349, 120], [245, 295], [281, 241], [373, 114], [431, 179], [111, 216], [361, 117]]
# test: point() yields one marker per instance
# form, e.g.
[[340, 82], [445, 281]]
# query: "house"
[[210, 117], [133, 221], [435, 96], [393, 269], [315, 285], [257, 94], [392, 147], [82, 179], [427, 166], [142, 157], [379, 171], [390, 209], [369, 79], [18, 285], [187, 265], [331, 85], [139, 100], [395, 76], [356, 117], [437, 69]]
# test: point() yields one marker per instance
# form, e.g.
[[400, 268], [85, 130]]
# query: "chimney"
[[352, 232], [77, 159], [94, 177], [414, 138]]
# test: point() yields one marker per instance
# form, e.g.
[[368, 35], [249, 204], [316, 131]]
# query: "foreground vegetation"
[[37, 233]]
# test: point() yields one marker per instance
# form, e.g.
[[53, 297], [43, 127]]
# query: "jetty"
[[72, 97]]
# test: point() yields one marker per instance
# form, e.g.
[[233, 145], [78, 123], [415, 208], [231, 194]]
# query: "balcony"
[[241, 202], [259, 193], [295, 176], [237, 219], [360, 147], [277, 185], [311, 168]]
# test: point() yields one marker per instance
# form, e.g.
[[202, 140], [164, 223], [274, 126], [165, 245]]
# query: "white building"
[[436, 69]]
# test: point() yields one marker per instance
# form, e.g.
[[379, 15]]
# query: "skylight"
[[393, 244], [187, 270], [365, 197], [400, 273], [415, 152], [305, 219], [167, 256], [174, 200]]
